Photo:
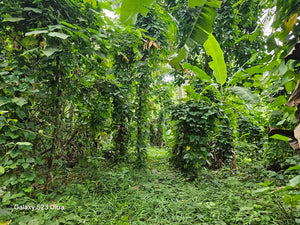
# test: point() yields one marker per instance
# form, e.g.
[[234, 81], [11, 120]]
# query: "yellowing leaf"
[[150, 44], [145, 46], [288, 25], [125, 58], [5, 223], [188, 148], [156, 45]]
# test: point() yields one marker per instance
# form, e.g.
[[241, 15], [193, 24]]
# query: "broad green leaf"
[[192, 93], [25, 165], [131, 8], [175, 61], [59, 35], [218, 65], [194, 3], [241, 38], [295, 181], [279, 101], [4, 101], [2, 170], [81, 34], [30, 160], [261, 190], [19, 101], [204, 25], [276, 113], [282, 69], [280, 137], [247, 84], [291, 199], [14, 154], [33, 10], [20, 113], [214, 3], [201, 28], [286, 188], [255, 70], [6, 197], [28, 189], [2, 123], [271, 43], [27, 176], [13, 180], [199, 72], [68, 24], [246, 94], [50, 51], [14, 19], [55, 27], [290, 86], [36, 32], [16, 195], [281, 122], [30, 51], [11, 135], [238, 3], [294, 168], [24, 143], [187, 66], [4, 73], [30, 41], [254, 34]]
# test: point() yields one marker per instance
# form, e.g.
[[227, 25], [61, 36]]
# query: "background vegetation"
[[147, 112]]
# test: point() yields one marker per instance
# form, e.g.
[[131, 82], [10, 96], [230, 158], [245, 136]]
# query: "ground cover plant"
[[149, 112], [157, 194]]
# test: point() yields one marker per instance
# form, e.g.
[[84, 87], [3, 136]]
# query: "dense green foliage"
[[194, 126], [203, 136], [84, 97]]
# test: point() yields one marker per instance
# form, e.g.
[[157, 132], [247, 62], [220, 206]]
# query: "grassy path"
[[155, 195], [160, 195]]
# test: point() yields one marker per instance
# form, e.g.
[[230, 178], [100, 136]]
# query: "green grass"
[[94, 193]]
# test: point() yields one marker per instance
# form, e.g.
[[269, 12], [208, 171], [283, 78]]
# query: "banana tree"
[[200, 32]]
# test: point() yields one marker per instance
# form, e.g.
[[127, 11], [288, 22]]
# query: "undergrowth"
[[97, 193]]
